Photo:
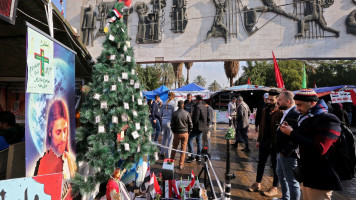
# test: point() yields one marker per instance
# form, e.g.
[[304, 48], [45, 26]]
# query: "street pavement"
[[244, 165]]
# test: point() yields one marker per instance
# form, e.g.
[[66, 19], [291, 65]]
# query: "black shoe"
[[198, 158], [190, 159], [245, 149], [234, 145]]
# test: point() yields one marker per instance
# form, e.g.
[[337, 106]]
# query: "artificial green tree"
[[114, 115]]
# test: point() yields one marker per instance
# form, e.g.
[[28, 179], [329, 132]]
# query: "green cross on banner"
[[42, 59]]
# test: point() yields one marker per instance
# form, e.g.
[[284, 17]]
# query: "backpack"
[[343, 154]]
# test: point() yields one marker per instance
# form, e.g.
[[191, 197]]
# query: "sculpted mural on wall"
[[311, 19], [150, 24], [308, 16], [219, 29], [88, 25], [179, 16], [351, 22]]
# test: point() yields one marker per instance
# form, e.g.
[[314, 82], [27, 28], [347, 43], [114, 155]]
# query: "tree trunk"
[[187, 76]]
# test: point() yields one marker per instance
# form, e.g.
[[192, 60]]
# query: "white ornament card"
[[113, 87], [112, 57], [125, 75], [137, 125], [104, 105], [126, 105], [134, 113], [133, 71], [115, 119], [139, 101], [128, 43], [111, 37], [135, 135], [138, 149], [128, 58], [127, 147], [101, 129], [137, 85], [97, 96], [97, 119], [124, 118], [106, 78], [132, 82], [119, 79]]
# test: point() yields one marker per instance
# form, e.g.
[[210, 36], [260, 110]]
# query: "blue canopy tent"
[[161, 91], [192, 88]]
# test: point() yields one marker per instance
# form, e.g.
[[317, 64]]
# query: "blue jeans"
[[198, 137], [349, 114], [157, 130], [289, 185], [167, 138]]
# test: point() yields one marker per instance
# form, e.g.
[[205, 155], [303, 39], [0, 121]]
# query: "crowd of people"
[[181, 122], [297, 132]]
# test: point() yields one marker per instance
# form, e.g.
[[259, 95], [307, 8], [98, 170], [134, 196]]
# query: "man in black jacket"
[[201, 122], [189, 104], [156, 118], [181, 125], [317, 132], [287, 149]]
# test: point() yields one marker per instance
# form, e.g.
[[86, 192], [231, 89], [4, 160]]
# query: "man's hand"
[[285, 128], [154, 121], [257, 144]]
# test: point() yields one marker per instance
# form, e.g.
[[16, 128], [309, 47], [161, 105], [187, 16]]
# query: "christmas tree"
[[114, 115]]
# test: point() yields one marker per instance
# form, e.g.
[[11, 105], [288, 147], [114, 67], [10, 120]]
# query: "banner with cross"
[[40, 70]]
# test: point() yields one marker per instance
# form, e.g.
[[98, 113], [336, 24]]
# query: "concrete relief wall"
[[215, 30]]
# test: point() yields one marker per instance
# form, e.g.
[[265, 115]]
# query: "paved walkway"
[[244, 165]]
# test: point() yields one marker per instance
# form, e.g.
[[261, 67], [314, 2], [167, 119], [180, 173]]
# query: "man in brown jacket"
[[266, 141]]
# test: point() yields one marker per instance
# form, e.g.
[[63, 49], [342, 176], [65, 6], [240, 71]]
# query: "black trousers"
[[241, 136], [266, 150]]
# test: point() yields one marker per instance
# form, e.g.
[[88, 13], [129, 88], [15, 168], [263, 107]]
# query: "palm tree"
[[167, 74], [231, 70], [188, 65], [177, 68], [214, 86], [199, 80]]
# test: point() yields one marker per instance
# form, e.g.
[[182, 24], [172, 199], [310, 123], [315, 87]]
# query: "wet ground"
[[244, 165]]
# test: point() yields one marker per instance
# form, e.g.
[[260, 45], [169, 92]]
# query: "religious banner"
[[46, 187], [340, 97], [50, 120], [40, 68]]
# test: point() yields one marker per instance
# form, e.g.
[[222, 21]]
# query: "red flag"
[[248, 81], [279, 80], [126, 2], [155, 184], [191, 184]]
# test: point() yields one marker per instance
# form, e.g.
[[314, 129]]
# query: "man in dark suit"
[[201, 122], [287, 149]]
